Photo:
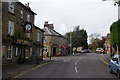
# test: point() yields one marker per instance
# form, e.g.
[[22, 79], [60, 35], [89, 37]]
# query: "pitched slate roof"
[[51, 32]]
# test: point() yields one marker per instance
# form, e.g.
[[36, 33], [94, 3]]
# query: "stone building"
[[54, 43], [19, 34], [37, 41]]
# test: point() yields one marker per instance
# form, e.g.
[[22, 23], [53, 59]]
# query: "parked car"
[[99, 50], [82, 51], [85, 51], [114, 65]]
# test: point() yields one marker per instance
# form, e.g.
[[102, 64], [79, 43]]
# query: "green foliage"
[[79, 37], [96, 42], [115, 33]]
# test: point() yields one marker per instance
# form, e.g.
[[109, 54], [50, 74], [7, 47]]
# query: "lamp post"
[[117, 2], [50, 43], [70, 42]]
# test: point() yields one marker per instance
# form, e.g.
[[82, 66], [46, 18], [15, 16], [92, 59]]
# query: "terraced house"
[[54, 43], [21, 38]]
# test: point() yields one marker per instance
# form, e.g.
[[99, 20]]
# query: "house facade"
[[54, 43], [107, 45], [19, 34]]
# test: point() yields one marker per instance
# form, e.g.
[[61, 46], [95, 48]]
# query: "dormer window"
[[11, 7], [28, 17]]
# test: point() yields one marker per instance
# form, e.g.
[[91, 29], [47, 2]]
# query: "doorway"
[[54, 51]]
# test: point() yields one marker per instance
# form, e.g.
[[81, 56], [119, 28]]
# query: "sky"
[[95, 16]]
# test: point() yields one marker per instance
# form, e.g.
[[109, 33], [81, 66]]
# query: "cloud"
[[93, 15]]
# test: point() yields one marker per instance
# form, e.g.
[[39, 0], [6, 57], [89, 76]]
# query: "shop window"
[[21, 14], [30, 51], [11, 7], [40, 51], [26, 53], [9, 53], [28, 17], [11, 27], [16, 51]]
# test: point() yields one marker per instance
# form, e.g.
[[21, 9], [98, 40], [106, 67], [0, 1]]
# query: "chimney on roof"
[[27, 5], [50, 26], [46, 24]]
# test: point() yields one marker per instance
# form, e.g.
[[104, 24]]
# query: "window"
[[45, 39], [26, 53], [40, 51], [38, 36], [11, 7], [28, 17], [30, 51], [11, 27], [16, 51], [9, 53], [28, 35], [21, 14]]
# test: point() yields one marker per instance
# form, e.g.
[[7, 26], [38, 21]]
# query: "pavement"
[[9, 71]]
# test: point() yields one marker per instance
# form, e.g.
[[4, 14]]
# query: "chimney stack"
[[46, 24], [27, 5], [50, 26]]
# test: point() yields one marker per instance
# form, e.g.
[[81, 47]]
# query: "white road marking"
[[66, 60], [76, 69], [75, 64], [77, 60]]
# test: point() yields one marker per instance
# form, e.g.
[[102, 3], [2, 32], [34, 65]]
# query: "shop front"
[[22, 50]]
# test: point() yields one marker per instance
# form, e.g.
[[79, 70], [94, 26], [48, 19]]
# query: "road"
[[72, 66]]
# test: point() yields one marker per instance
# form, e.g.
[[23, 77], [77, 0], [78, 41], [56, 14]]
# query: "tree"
[[115, 33], [79, 37], [96, 42]]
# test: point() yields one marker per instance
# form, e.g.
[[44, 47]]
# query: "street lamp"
[[70, 42], [50, 43], [118, 3]]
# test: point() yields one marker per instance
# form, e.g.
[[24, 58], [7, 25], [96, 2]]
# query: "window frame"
[[21, 13], [11, 7], [11, 25], [9, 52], [28, 17], [16, 51], [38, 36]]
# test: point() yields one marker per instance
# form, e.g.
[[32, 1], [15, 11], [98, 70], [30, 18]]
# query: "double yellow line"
[[104, 61], [19, 74]]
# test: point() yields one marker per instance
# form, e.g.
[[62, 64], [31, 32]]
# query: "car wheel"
[[111, 70], [118, 74]]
